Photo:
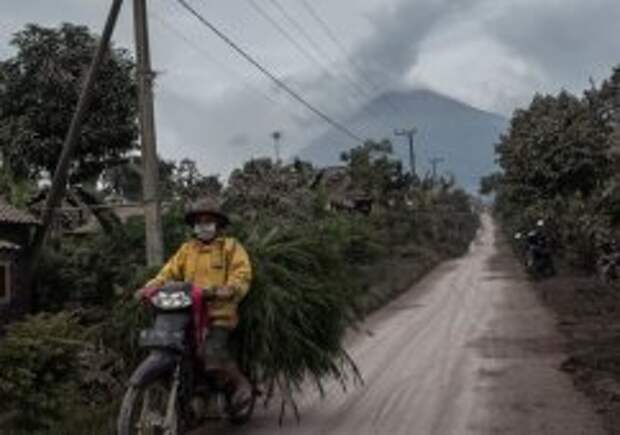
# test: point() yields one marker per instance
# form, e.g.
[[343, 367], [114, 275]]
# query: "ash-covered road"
[[469, 350]]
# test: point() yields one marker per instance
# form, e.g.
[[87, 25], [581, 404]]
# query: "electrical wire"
[[335, 40], [309, 55], [231, 71], [268, 73]]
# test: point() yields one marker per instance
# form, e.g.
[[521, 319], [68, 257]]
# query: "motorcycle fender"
[[156, 365]]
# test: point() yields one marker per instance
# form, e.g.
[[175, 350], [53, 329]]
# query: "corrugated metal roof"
[[12, 215]]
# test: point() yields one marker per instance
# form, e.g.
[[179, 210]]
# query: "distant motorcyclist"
[[221, 266], [537, 236], [608, 262], [538, 259]]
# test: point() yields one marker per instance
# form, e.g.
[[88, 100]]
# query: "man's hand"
[[143, 294]]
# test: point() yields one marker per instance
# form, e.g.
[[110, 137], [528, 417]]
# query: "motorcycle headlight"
[[172, 301]]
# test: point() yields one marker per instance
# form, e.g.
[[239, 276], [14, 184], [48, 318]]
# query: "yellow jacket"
[[223, 262]]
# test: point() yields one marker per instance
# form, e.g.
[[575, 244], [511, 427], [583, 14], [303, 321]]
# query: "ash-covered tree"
[[190, 183], [177, 180], [557, 146], [39, 89], [373, 170]]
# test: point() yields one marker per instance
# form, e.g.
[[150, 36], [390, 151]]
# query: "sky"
[[214, 107]]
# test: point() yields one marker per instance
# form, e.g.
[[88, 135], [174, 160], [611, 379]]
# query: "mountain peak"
[[463, 135]]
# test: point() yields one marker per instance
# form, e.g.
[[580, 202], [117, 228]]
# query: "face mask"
[[205, 232]]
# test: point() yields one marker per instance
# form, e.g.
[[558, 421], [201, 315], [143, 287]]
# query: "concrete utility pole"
[[148, 141], [409, 133], [60, 176], [276, 135], [434, 163]]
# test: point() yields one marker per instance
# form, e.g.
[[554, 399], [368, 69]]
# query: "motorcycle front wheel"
[[242, 416], [150, 409]]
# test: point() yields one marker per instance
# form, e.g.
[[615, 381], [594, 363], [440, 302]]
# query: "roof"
[[12, 215], [5, 245]]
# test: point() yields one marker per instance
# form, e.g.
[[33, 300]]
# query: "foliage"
[[93, 270], [39, 368], [371, 169], [269, 192], [304, 298], [39, 89], [558, 161], [178, 180], [16, 192], [314, 267]]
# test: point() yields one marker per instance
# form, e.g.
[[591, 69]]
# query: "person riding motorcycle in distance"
[[221, 266], [537, 236]]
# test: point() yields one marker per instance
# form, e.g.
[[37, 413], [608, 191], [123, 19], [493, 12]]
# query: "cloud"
[[399, 33], [225, 131], [570, 40], [497, 80], [494, 55], [215, 108]]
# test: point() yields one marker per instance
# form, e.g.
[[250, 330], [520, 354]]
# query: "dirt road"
[[469, 350]]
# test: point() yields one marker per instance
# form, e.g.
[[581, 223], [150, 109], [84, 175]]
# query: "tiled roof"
[[12, 215]]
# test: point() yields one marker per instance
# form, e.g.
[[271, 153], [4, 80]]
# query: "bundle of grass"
[[304, 297]]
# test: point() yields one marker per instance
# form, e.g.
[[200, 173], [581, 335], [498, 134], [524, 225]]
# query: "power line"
[[269, 74], [349, 79], [347, 55], [328, 31], [332, 36], [293, 22], [244, 80], [308, 54], [288, 36]]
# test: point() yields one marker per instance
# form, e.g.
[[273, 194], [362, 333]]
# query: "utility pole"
[[148, 141], [276, 135], [409, 133], [434, 163]]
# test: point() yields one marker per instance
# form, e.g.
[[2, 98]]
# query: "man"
[[537, 236], [221, 266], [538, 244]]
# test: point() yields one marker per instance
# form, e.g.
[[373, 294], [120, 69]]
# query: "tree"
[[559, 159], [371, 169], [39, 89], [182, 180], [189, 183], [490, 183], [556, 146]]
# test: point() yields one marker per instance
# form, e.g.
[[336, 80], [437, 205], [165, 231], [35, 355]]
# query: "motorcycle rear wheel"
[[150, 409]]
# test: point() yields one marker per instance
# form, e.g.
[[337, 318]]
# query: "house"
[[340, 191], [16, 232], [81, 212]]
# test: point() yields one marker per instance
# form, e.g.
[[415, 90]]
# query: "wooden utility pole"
[[434, 163], [409, 133], [61, 173], [148, 141]]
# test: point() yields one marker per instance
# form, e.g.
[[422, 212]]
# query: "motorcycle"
[[608, 263], [166, 388], [537, 256]]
